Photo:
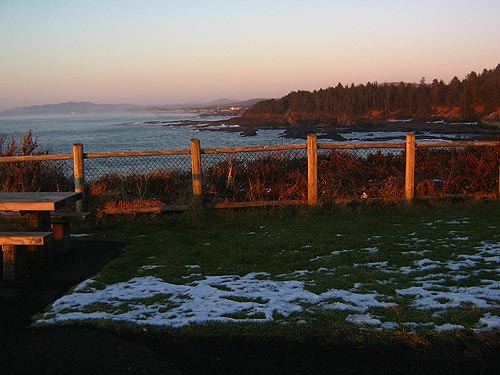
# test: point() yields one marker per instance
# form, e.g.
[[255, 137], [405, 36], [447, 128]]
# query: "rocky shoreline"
[[469, 130], [248, 127]]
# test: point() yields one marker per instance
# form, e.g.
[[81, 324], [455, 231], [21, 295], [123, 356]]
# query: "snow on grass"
[[427, 298], [489, 321], [448, 327], [363, 319], [253, 297], [421, 278]]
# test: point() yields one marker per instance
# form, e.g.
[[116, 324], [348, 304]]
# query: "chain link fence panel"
[[457, 170], [44, 175], [268, 175], [361, 174], [255, 176], [148, 180]]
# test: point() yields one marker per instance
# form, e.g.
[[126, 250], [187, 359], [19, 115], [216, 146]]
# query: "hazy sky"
[[170, 51]]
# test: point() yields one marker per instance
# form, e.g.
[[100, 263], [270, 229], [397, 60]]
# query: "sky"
[[176, 51]]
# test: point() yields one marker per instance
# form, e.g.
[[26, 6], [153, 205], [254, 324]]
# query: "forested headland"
[[476, 98]]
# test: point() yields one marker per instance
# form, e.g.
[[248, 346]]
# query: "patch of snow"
[[326, 270], [389, 326], [341, 306], [192, 276], [464, 220], [301, 273], [414, 326], [421, 265], [372, 264], [448, 327], [332, 254], [489, 322], [460, 238], [79, 235], [457, 265], [486, 296], [150, 267], [363, 319], [357, 301], [416, 253], [215, 298]]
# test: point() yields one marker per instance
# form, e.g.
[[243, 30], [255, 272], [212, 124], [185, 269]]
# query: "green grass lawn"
[[426, 267]]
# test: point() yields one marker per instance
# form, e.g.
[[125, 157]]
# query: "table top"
[[36, 201]]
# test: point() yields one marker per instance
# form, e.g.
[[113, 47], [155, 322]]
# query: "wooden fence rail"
[[312, 146]]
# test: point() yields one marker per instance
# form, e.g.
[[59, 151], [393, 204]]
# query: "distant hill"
[[247, 103], [69, 108], [90, 108], [223, 102]]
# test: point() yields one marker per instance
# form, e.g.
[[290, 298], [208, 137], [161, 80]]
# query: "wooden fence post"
[[410, 167], [312, 169], [196, 170], [498, 161], [79, 174]]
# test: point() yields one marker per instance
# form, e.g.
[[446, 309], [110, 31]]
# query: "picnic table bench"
[[35, 208], [15, 248], [60, 222], [61, 227]]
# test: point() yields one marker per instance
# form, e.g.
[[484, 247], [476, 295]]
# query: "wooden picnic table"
[[35, 247], [37, 205]]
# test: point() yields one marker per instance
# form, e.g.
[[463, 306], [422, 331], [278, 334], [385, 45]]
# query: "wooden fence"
[[312, 146]]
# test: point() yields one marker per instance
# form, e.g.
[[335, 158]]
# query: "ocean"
[[125, 132], [146, 132]]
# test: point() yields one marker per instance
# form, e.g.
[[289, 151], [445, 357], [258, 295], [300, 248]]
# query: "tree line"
[[475, 96]]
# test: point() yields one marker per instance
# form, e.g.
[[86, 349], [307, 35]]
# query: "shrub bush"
[[471, 170], [30, 175]]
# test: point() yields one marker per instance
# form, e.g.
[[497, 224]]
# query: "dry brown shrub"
[[271, 177], [30, 175], [165, 186], [472, 170]]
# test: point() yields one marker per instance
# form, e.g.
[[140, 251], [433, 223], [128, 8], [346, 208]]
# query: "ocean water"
[[146, 132], [149, 132], [124, 132]]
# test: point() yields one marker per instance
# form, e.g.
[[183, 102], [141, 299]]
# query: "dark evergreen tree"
[[477, 94]]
